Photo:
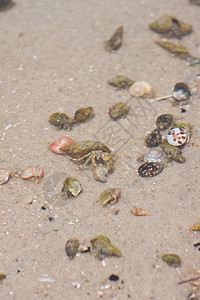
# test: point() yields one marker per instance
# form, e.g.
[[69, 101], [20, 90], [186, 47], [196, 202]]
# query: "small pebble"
[[113, 277]]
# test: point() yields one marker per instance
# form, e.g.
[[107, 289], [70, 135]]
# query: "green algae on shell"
[[71, 247], [110, 196], [115, 42], [118, 110], [171, 26], [176, 48], [172, 152], [60, 120], [120, 82], [172, 259], [71, 187], [83, 114], [102, 247]]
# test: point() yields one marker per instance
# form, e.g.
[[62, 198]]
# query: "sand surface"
[[53, 59]]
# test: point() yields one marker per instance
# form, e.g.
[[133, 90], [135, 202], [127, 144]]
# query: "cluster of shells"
[[164, 147], [30, 173]]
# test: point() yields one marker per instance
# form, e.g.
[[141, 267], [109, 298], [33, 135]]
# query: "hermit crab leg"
[[164, 98]]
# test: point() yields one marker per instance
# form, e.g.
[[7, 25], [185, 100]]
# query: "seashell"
[[195, 227], [115, 42], [29, 172], [100, 173], [110, 196], [154, 138], [172, 152], [83, 114], [140, 89], [4, 175], [61, 142], [137, 211], [71, 247], [181, 92], [150, 169], [177, 136], [60, 120], [71, 187], [119, 110], [120, 82], [172, 259], [171, 26], [164, 121], [102, 247], [154, 155], [176, 48]]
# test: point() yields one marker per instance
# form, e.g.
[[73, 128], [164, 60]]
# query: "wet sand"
[[53, 59]]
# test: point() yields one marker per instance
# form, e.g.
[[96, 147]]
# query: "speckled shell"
[[71, 187], [177, 136], [150, 169], [61, 142], [153, 139], [164, 121], [83, 114], [154, 155], [140, 89], [181, 92], [118, 110]]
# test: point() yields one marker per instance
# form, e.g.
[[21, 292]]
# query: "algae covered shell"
[[61, 142], [181, 92], [71, 247], [4, 175], [153, 139], [171, 26], [177, 136], [31, 172], [172, 152], [150, 169], [60, 120], [71, 187], [83, 114], [102, 247], [118, 110], [110, 196], [140, 89], [154, 155], [172, 259], [120, 82], [164, 121], [115, 42], [176, 48]]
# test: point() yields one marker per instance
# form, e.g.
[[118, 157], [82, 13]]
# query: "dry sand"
[[53, 59]]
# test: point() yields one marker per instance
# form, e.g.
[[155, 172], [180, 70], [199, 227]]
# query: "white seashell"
[[100, 173], [177, 136], [140, 88], [154, 155]]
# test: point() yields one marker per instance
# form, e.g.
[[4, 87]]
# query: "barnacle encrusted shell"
[[140, 89], [177, 136], [71, 187], [154, 155], [164, 121], [150, 169], [171, 26], [153, 139], [118, 110], [181, 92]]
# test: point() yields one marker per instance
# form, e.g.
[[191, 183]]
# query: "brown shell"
[[195, 227], [118, 110], [137, 211], [83, 114], [120, 82], [176, 48], [115, 42]]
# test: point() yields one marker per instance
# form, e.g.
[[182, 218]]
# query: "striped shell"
[[137, 211], [30, 172], [4, 175], [140, 89], [154, 155], [177, 136], [150, 169], [61, 142]]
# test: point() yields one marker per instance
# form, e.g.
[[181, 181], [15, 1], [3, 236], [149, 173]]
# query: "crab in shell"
[[93, 152]]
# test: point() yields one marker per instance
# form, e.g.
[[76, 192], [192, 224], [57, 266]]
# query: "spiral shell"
[[100, 173], [150, 169], [177, 136], [137, 211], [61, 142], [140, 89], [4, 175], [30, 172], [154, 155]]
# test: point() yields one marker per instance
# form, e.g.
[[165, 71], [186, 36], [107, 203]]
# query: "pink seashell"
[[61, 142], [177, 136], [38, 172], [4, 175], [28, 173]]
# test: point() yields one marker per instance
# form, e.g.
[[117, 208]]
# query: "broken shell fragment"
[[110, 196], [195, 227], [4, 175], [172, 259], [71, 247], [176, 48], [164, 121], [60, 120], [177, 136], [118, 110], [171, 26], [181, 92], [137, 211], [140, 89], [153, 139], [115, 42], [35, 172], [83, 114], [120, 82], [71, 187], [100, 173], [102, 247], [150, 169], [61, 142]]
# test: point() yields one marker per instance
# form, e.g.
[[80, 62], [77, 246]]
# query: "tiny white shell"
[[177, 136], [154, 155], [140, 89]]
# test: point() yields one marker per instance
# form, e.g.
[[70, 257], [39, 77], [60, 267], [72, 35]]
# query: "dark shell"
[[71, 247], [115, 42], [71, 187], [164, 121], [120, 82], [172, 259], [150, 169], [196, 2], [5, 4], [181, 92], [60, 120], [119, 110], [154, 138], [83, 114]]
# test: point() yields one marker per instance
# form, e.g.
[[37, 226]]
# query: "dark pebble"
[[51, 219], [113, 277]]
